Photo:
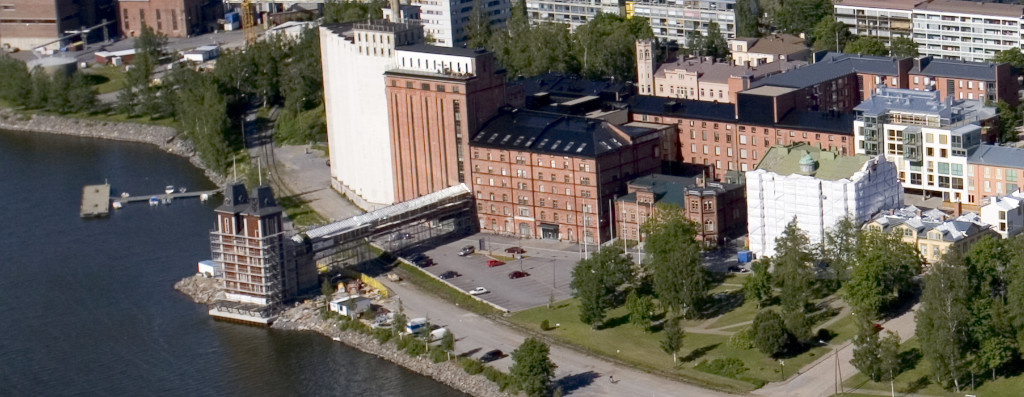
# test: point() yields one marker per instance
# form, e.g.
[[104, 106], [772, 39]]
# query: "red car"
[[518, 274], [515, 250], [494, 262]]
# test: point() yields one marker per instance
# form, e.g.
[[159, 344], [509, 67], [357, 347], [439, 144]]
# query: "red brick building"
[[719, 209], [727, 137], [554, 176], [432, 110], [173, 18], [25, 24]]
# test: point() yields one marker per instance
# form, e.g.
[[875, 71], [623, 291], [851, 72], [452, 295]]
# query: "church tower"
[[645, 66]]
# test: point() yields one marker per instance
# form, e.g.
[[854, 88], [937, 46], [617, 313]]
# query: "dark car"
[[423, 261], [518, 274], [492, 355], [417, 256], [449, 274], [515, 250], [467, 250]]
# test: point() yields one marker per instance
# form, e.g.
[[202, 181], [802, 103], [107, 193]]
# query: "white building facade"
[[355, 57], [447, 22], [571, 12], [1005, 214], [670, 20], [778, 191], [877, 18], [966, 30], [927, 137]]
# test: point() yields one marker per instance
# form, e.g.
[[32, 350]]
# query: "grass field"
[[623, 341], [106, 79]]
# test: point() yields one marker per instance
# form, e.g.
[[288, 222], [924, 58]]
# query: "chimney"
[[958, 208]]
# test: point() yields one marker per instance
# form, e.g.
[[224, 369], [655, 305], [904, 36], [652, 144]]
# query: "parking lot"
[[549, 264]]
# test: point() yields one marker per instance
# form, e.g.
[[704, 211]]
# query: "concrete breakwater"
[[306, 317], [166, 138]]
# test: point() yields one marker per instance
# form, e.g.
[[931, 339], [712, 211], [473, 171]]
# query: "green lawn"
[[625, 342], [299, 211], [106, 79], [917, 380]]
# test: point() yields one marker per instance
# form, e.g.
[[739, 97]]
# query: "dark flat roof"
[[559, 84], [552, 133], [956, 69], [839, 123]]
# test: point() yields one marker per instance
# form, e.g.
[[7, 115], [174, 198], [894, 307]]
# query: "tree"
[[448, 341], [399, 323], [336, 11], [886, 267], [640, 310], [943, 317], [39, 94], [327, 288], [770, 336], [758, 285], [839, 246], [866, 45], [890, 362], [747, 12], [202, 115], [478, 32], [799, 16], [830, 35], [81, 94], [680, 280], [606, 46], [17, 81], [994, 354], [793, 277], [1010, 118], [673, 339], [1012, 56], [138, 95], [596, 280], [713, 44], [903, 47], [866, 349], [532, 369]]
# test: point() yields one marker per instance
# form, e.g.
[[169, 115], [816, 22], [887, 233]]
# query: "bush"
[[415, 348], [438, 355], [744, 339], [503, 380], [471, 366], [727, 367], [545, 325], [382, 335], [770, 335], [402, 343]]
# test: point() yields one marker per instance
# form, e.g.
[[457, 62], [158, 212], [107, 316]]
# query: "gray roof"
[[670, 189], [966, 225], [956, 69], [1001, 156], [554, 133], [831, 66], [951, 112]]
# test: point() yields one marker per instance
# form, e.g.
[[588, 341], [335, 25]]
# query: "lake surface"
[[87, 306]]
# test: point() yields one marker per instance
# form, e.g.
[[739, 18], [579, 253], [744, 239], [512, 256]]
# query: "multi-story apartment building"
[[1004, 213], [437, 96], [773, 48], [355, 56], [883, 19], [27, 24], [571, 12], [260, 270], [447, 23], [719, 209], [732, 138], [932, 232], [554, 176], [841, 81], [671, 20], [927, 137], [700, 78], [817, 188], [967, 30], [994, 171], [173, 18]]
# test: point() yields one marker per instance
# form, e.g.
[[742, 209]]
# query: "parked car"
[[492, 355], [417, 256], [401, 236], [494, 262], [449, 274], [467, 250], [518, 274], [478, 291], [424, 262], [515, 250]]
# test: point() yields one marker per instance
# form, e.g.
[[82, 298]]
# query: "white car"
[[478, 291]]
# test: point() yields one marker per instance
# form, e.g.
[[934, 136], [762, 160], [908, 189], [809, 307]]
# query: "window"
[[709, 225], [1011, 175], [915, 179], [707, 205]]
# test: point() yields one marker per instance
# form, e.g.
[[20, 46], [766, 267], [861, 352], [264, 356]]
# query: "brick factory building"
[[554, 176], [173, 18]]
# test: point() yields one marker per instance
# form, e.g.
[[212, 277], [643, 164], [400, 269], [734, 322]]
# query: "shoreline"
[[166, 138], [306, 317]]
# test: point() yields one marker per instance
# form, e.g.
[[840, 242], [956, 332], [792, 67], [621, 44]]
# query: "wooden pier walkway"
[[163, 196]]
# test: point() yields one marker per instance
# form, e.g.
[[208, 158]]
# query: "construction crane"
[[248, 28]]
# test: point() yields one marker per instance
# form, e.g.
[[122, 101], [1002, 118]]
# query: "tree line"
[[37, 89]]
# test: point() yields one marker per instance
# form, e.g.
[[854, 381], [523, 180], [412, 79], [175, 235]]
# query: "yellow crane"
[[248, 28]]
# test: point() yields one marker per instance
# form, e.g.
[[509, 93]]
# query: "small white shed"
[[351, 305]]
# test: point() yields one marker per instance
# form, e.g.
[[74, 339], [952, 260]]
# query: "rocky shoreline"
[[306, 317], [166, 138]]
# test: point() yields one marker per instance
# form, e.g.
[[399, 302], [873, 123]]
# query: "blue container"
[[744, 256], [232, 17]]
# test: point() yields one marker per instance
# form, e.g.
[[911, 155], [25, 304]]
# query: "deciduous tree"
[[770, 336], [793, 276], [866, 45], [758, 285], [830, 35], [903, 47], [532, 369], [596, 280], [1012, 56], [680, 281], [943, 318], [640, 310], [673, 339], [885, 269]]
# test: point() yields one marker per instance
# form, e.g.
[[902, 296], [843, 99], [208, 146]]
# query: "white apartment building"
[[818, 188], [355, 57], [967, 30], [671, 19], [571, 12], [1005, 213], [927, 137], [883, 19], [446, 23]]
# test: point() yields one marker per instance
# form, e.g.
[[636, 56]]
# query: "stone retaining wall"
[[166, 138]]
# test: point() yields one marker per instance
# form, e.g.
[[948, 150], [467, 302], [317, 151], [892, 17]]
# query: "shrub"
[[744, 339], [402, 343], [415, 348], [770, 335], [382, 335], [471, 366], [545, 325], [503, 380], [438, 355], [727, 367]]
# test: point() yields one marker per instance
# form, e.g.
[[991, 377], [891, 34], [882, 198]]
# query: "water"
[[87, 306]]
